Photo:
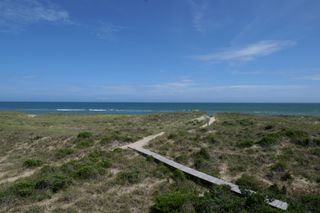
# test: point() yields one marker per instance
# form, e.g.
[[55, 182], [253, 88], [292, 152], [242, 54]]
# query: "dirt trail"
[[140, 143], [23, 175], [210, 121]]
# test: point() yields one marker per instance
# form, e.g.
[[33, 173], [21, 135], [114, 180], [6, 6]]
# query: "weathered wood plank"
[[235, 188]]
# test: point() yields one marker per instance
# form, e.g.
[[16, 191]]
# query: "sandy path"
[[23, 175], [211, 121], [144, 141]]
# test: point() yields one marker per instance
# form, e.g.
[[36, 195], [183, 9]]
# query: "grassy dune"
[[72, 163]]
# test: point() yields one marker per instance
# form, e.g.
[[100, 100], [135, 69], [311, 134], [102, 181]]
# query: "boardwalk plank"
[[235, 188]]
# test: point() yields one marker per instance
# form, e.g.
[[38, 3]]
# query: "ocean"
[[145, 108]]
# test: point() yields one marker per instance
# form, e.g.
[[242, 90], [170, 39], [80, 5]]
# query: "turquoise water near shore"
[[144, 108]]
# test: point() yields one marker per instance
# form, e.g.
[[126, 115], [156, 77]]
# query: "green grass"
[[84, 135], [128, 177], [82, 168], [32, 163], [218, 199], [63, 152], [249, 182]]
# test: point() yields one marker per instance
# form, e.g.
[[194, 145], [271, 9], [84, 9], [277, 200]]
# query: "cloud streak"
[[17, 15], [198, 14], [108, 31], [314, 77], [246, 53]]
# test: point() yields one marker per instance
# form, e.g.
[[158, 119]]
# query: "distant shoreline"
[[300, 109]]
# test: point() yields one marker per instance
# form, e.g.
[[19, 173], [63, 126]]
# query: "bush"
[[23, 188], [105, 163], [172, 136], [298, 137], [286, 176], [182, 158], [255, 202], [249, 182], [274, 191], [200, 163], [178, 175], [311, 203], [86, 172], [130, 177], [316, 141], [84, 135], [161, 171], [203, 153], [218, 199], [32, 163], [211, 138], [316, 152], [84, 144], [61, 153], [54, 183], [279, 166], [106, 140], [268, 127], [245, 143], [245, 122], [268, 140], [172, 202]]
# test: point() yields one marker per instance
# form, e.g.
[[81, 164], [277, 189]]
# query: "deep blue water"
[[143, 108]]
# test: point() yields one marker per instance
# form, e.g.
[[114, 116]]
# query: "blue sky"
[[160, 50]]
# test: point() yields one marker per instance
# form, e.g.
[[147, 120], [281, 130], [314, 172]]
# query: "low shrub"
[[218, 199], [61, 153], [84, 144], [311, 203], [286, 176], [268, 140], [178, 175], [245, 122], [249, 182], [84, 135], [316, 141], [200, 163], [172, 136], [105, 163], [106, 140], [274, 191], [23, 188], [316, 152], [32, 163], [86, 172], [183, 158], [268, 127], [279, 166], [245, 143], [161, 171], [203, 153], [130, 177], [172, 202], [298, 137], [53, 183], [117, 136], [211, 138]]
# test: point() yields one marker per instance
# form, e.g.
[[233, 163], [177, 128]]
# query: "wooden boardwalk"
[[235, 188]]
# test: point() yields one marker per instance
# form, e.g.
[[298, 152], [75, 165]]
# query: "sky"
[[160, 50]]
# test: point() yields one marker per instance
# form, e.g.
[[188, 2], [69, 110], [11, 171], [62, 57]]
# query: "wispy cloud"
[[247, 53], [108, 30], [313, 77], [198, 13], [17, 15], [176, 85]]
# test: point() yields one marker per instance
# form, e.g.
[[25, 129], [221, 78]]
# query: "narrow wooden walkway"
[[275, 203]]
